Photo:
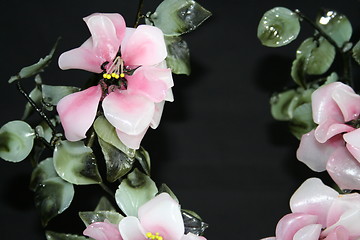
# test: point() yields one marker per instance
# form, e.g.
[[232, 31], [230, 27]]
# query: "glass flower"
[[335, 144], [135, 80], [319, 212]]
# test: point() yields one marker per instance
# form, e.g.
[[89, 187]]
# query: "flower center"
[[156, 236], [116, 69]]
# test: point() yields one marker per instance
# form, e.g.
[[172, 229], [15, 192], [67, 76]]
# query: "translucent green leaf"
[[16, 141], [43, 171], [43, 130], [166, 189], [134, 191], [193, 222], [178, 58], [144, 159], [100, 216], [280, 105], [104, 205], [63, 236], [35, 68], [176, 17], [336, 25], [35, 95], [52, 94], [356, 52], [278, 27], [75, 163], [302, 121], [107, 132], [117, 163]]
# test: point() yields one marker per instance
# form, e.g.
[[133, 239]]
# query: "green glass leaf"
[[193, 222], [75, 163], [356, 52], [107, 132], [134, 191], [100, 216], [143, 158], [117, 163], [52, 94], [302, 121], [104, 205], [166, 189], [43, 171], [35, 68], [336, 25], [176, 17], [35, 95], [63, 236], [278, 27], [16, 141], [280, 105], [178, 58]]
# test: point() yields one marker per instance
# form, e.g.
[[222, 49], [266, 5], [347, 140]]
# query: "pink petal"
[[131, 141], [309, 232], [348, 102], [131, 229], [169, 96], [77, 112], [353, 143], [162, 214], [130, 114], [313, 197], [350, 221], [323, 105], [342, 204], [191, 236], [344, 169], [314, 154], [151, 82], [157, 114], [103, 231], [339, 233], [291, 223], [355, 151], [146, 46], [329, 128]]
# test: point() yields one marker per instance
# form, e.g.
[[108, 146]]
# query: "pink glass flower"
[[135, 80], [319, 212], [335, 144], [103, 231]]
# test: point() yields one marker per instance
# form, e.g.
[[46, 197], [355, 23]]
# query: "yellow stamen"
[[156, 236], [122, 75]]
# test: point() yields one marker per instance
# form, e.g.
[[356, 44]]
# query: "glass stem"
[[138, 13]]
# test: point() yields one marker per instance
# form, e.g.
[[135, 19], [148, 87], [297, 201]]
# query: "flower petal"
[[355, 151], [146, 46], [350, 220], [314, 154], [353, 143], [151, 82], [131, 229], [339, 233], [162, 214], [340, 205], [313, 197], [348, 102], [103, 231], [330, 128], [157, 114], [344, 169], [191, 236], [309, 232], [129, 113], [77, 112], [291, 223], [131, 141]]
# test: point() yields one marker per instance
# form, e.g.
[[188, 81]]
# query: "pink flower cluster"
[[319, 212], [335, 144], [158, 219], [135, 80]]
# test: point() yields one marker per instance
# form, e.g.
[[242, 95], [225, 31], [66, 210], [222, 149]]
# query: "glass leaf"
[[302, 121], [52, 197], [75, 163], [63, 236], [176, 17], [100, 216], [52, 94], [278, 27], [280, 103], [178, 58], [35, 95], [104, 205], [117, 163], [166, 189], [35, 68], [107, 132], [193, 222], [336, 25], [43, 171], [143, 158], [134, 191], [16, 141], [356, 52]]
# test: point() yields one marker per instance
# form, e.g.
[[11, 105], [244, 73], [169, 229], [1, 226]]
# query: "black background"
[[217, 146]]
